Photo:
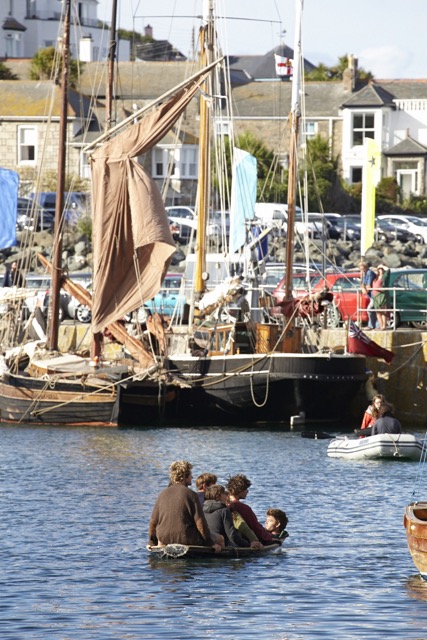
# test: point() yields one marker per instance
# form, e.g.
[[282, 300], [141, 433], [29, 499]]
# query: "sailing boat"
[[247, 370], [415, 523], [244, 370], [133, 246]]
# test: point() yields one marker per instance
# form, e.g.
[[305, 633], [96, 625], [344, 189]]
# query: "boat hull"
[[250, 388], [190, 551], [402, 446], [415, 523], [65, 402]]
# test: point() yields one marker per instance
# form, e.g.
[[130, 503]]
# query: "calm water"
[[75, 506]]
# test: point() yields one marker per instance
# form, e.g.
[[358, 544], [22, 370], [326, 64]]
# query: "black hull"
[[65, 403], [248, 388]]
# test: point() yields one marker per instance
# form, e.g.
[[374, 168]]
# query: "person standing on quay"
[[367, 276], [178, 516]]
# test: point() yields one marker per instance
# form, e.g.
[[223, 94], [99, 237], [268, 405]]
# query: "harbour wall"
[[403, 382]]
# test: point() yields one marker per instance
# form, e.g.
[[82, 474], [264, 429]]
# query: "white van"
[[273, 213]]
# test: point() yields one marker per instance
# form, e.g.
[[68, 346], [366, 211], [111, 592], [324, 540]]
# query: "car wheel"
[[392, 322], [419, 239], [421, 325], [83, 313]]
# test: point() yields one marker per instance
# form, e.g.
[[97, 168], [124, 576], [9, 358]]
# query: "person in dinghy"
[[220, 520], [178, 516]]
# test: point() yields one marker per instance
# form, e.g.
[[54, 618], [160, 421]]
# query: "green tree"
[[324, 189], [323, 73], [43, 67], [6, 73]]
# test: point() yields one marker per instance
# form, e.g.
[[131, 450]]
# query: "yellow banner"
[[370, 178]]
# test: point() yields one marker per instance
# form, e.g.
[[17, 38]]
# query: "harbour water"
[[75, 506]]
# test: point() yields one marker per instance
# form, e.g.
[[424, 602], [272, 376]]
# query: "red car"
[[347, 296]]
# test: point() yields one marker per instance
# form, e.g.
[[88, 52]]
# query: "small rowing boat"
[[415, 523], [193, 551], [401, 446]]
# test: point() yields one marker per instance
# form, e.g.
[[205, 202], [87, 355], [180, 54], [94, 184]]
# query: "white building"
[[30, 25]]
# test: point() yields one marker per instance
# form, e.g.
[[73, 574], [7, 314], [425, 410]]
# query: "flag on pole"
[[358, 342], [284, 66], [371, 174]]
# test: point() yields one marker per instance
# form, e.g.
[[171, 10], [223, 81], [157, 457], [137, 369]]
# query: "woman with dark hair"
[[372, 412], [380, 295]]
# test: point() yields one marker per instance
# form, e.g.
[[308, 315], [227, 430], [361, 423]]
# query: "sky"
[[387, 36]]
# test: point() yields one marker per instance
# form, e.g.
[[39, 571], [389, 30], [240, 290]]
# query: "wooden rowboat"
[[415, 523], [192, 551]]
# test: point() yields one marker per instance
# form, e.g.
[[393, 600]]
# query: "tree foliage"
[[43, 67], [323, 73], [6, 73]]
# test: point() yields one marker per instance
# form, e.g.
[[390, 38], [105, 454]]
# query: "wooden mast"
[[57, 240], [97, 338], [111, 61], [293, 151], [206, 48]]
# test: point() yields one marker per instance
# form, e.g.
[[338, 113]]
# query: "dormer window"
[[363, 127]]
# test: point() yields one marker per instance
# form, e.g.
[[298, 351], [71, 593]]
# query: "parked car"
[[40, 285], [170, 301], [387, 232], [184, 222], [414, 225], [408, 297], [347, 229], [74, 309], [384, 232], [347, 296], [76, 203], [32, 216], [315, 224]]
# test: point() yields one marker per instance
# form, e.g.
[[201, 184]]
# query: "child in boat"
[[220, 520], [238, 487], [276, 522], [372, 413], [204, 481]]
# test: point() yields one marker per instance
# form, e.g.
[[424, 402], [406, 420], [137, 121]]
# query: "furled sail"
[[132, 241]]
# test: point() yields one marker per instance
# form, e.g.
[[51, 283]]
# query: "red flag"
[[358, 342]]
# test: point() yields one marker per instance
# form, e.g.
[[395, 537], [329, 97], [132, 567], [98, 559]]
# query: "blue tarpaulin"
[[9, 181]]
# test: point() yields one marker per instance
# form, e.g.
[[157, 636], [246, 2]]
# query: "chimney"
[[350, 74], [148, 31], [86, 49]]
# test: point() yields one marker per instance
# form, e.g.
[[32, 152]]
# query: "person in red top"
[[372, 412], [238, 487]]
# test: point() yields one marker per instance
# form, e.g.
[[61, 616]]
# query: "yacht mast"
[[60, 188], [203, 191], [293, 150]]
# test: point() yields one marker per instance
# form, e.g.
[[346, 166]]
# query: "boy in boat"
[[276, 522], [204, 481], [238, 487], [220, 520], [177, 516]]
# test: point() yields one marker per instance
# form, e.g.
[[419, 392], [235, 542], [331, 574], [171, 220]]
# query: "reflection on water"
[[76, 505]]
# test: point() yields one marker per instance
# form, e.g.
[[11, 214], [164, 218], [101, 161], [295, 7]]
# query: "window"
[[356, 174], [163, 164], [188, 163], [363, 127], [27, 145], [309, 129]]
